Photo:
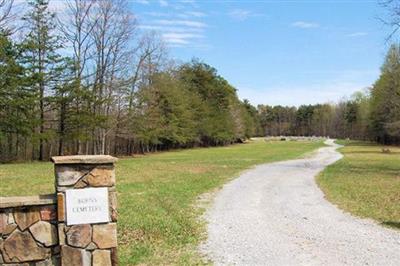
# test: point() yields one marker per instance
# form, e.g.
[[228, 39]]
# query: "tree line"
[[372, 114], [87, 81]]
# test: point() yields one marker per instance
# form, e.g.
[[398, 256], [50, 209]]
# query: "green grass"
[[366, 182], [158, 219]]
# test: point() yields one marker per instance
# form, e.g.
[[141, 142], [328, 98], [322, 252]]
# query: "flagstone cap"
[[10, 202], [84, 159]]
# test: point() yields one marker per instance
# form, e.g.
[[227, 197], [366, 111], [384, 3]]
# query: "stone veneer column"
[[86, 244], [28, 231]]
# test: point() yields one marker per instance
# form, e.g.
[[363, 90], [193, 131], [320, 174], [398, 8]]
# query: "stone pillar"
[[87, 228], [28, 231]]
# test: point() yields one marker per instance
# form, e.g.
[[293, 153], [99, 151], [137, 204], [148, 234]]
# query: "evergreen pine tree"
[[16, 100], [43, 62], [385, 99]]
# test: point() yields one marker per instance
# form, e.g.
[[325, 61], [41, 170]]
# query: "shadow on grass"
[[373, 168], [392, 224], [349, 143], [373, 152]]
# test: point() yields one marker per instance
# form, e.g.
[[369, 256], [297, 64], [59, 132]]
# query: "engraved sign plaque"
[[87, 206]]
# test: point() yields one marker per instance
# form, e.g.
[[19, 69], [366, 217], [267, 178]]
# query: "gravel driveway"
[[275, 214]]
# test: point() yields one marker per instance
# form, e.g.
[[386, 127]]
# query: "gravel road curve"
[[275, 214]]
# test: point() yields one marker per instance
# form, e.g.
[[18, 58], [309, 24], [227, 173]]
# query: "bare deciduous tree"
[[77, 27], [112, 34], [5, 13], [393, 16], [77, 24], [150, 54]]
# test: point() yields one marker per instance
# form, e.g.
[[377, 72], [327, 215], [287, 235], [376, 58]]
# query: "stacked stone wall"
[[28, 231], [35, 231]]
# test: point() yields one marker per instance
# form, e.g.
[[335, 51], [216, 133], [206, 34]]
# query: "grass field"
[[366, 182], [158, 220]]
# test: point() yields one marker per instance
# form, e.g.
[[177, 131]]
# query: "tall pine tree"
[[43, 63], [385, 97], [16, 101]]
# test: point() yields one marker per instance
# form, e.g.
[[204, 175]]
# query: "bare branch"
[[392, 19], [5, 13]]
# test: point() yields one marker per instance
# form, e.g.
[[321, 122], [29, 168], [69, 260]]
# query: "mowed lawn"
[[366, 182], [159, 218]]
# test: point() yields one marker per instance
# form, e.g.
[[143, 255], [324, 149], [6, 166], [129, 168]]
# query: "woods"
[[372, 114], [87, 80]]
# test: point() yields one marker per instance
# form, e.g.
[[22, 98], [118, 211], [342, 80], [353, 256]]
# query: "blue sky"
[[276, 52]]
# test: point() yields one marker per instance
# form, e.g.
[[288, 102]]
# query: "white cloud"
[[241, 14], [171, 29], [187, 1], [177, 34], [180, 38], [143, 2], [181, 15], [305, 24], [342, 84], [196, 14], [163, 3], [187, 23], [202, 47], [183, 28], [157, 14], [175, 41], [357, 34], [296, 96]]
